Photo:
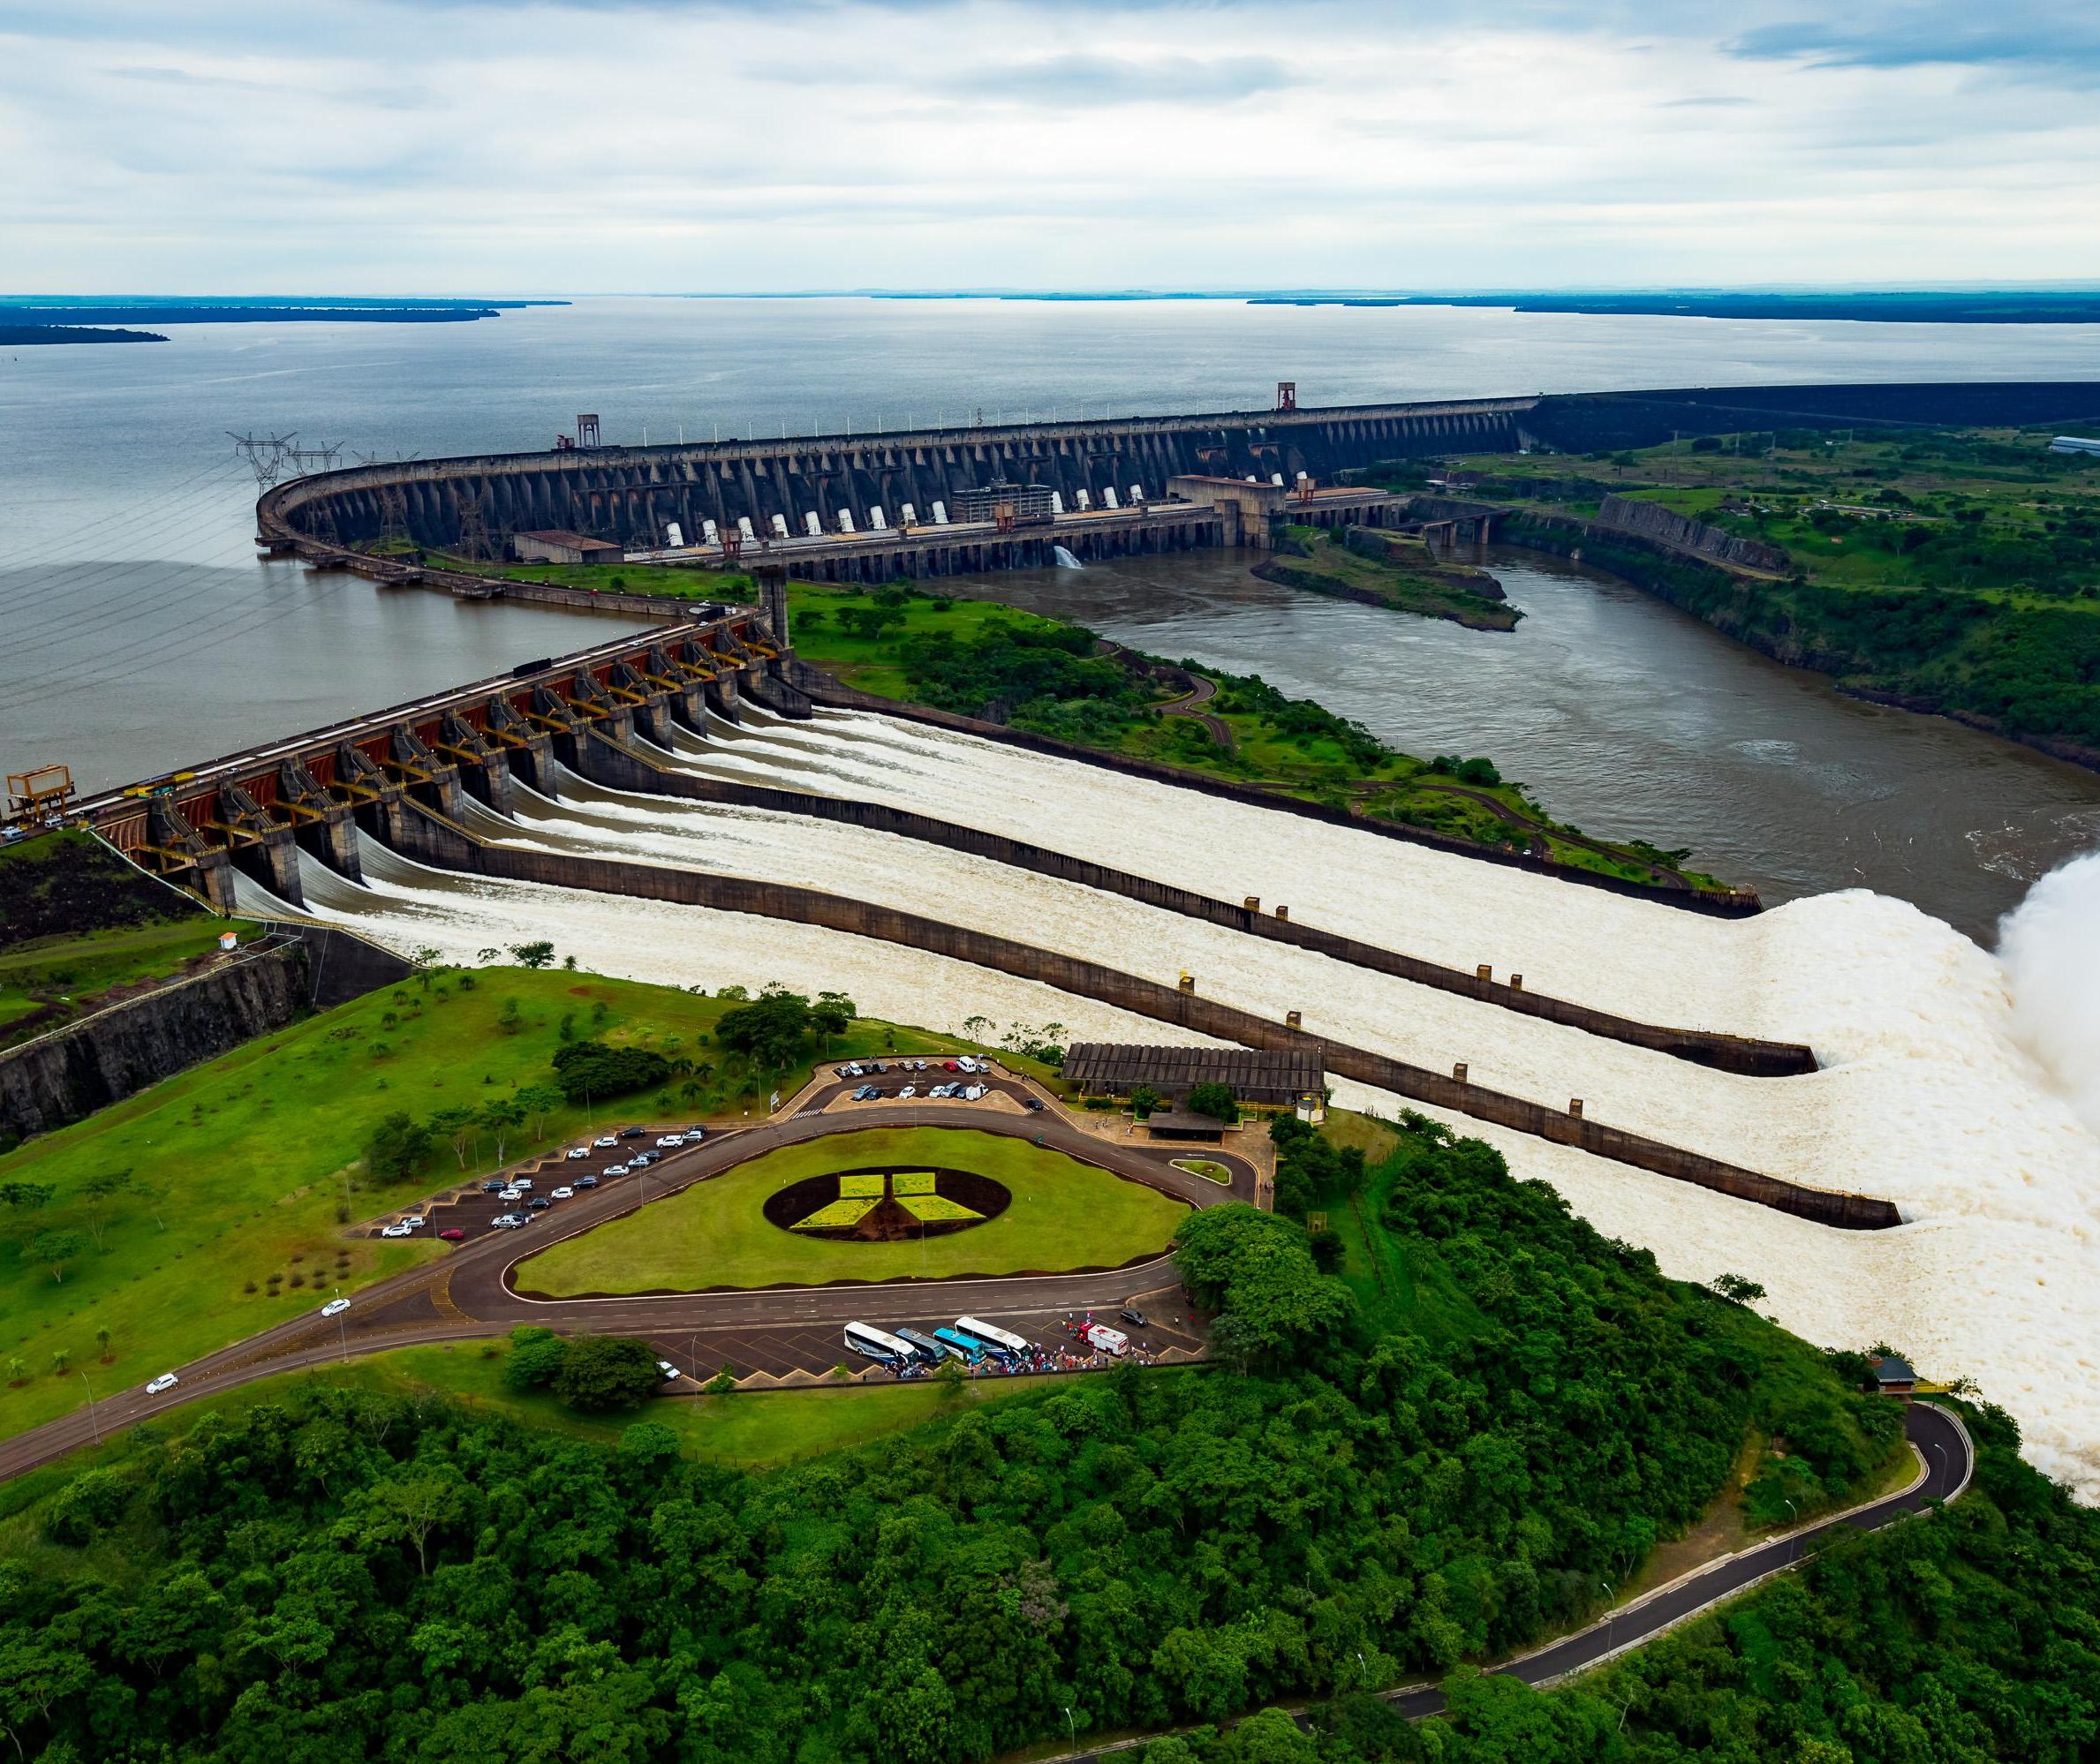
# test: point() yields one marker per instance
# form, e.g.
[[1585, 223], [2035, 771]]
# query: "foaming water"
[[2050, 947], [1930, 1094]]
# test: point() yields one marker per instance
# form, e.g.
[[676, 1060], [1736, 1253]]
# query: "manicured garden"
[[1063, 1215]]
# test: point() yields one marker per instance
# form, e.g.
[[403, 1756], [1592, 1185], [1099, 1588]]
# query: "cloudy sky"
[[603, 146]]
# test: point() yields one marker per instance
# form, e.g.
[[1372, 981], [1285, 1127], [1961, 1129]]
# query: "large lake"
[[138, 632]]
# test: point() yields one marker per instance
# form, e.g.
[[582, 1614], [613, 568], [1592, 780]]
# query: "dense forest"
[[1363, 1490]]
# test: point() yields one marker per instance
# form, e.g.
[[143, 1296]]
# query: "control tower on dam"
[[633, 497]]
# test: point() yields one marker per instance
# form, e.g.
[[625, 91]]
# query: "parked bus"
[[997, 1340], [966, 1348], [925, 1349], [877, 1344]]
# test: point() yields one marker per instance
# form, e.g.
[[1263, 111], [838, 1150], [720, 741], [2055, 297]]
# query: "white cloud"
[[468, 148]]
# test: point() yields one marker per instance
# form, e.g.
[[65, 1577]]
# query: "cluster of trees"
[[778, 1026], [54, 1232], [588, 1070], [1047, 678], [1475, 770], [1369, 1491], [398, 1145], [594, 1373]]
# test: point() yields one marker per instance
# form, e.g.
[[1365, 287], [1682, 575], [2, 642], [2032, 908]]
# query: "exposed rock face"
[[1667, 527]]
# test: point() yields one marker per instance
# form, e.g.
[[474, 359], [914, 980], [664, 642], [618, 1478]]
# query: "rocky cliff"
[[1666, 527]]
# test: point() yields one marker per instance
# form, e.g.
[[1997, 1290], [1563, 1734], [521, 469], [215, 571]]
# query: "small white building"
[[2075, 444]]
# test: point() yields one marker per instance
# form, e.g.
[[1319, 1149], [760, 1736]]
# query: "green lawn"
[[58, 979], [1205, 1168], [247, 1166], [1064, 1214]]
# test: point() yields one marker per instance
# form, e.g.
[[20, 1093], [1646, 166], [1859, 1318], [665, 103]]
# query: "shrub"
[[602, 1372], [86, 1506]]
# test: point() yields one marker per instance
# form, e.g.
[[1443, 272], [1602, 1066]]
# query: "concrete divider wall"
[[606, 763], [821, 689], [434, 840]]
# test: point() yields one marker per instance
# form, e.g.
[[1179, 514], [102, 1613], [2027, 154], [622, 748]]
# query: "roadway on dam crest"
[[469, 1295]]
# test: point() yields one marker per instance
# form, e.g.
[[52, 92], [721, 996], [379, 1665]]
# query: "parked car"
[[877, 1066], [415, 1221], [165, 1382], [969, 1064], [672, 1139], [562, 1194], [634, 1133], [580, 1151], [909, 1090], [493, 1187], [669, 1370], [950, 1066], [522, 1184], [867, 1093], [695, 1135], [452, 1234], [605, 1139], [642, 1160], [973, 1093], [1033, 1104], [510, 1195], [1132, 1316], [397, 1231], [507, 1221], [610, 1170], [539, 1203], [334, 1307], [918, 1066], [592, 1181]]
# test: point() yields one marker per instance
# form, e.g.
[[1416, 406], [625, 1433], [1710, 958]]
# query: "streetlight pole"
[[92, 1421], [1072, 1727], [342, 1330], [1611, 1594]]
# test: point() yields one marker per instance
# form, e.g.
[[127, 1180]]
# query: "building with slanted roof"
[[559, 546], [1892, 1375], [1279, 1076]]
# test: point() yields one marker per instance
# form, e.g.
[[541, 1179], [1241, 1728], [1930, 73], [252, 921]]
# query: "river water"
[[1631, 720], [138, 632]]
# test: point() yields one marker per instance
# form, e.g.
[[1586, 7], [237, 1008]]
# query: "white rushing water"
[[1939, 1091]]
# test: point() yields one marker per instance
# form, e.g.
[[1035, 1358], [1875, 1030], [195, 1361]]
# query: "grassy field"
[[249, 1166], [49, 981], [1205, 1168], [1063, 1215]]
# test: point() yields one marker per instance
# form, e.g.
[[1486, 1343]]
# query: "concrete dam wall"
[[630, 495]]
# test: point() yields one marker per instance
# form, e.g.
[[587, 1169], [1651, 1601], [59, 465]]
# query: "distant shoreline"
[[13, 336]]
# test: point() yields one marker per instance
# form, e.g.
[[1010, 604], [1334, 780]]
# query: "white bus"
[[877, 1344], [999, 1340]]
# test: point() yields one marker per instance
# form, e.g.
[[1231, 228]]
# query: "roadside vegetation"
[[213, 1205], [1063, 1215], [1955, 571], [1387, 570], [1377, 1485]]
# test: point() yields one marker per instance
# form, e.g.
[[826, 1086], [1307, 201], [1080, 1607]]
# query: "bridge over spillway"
[[1109, 481]]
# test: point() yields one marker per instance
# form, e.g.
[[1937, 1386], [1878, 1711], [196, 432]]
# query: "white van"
[[1108, 1340]]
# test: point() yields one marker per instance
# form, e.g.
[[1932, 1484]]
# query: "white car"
[[415, 1221], [397, 1231], [511, 1194], [562, 1195], [507, 1221], [973, 1093], [909, 1090], [580, 1151], [334, 1307], [522, 1184], [616, 1170], [165, 1382], [605, 1139], [672, 1139], [669, 1370]]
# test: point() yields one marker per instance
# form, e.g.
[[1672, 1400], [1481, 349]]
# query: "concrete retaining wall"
[[1666, 527], [621, 769], [434, 840]]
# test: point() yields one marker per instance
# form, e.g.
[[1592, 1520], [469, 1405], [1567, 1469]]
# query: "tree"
[[500, 1119], [830, 1014], [1217, 1101], [99, 1192], [510, 1019], [585, 1069], [1258, 1269], [1144, 1100], [536, 1355], [53, 1249], [460, 1127], [770, 1030], [540, 955], [398, 1147], [1736, 1289], [949, 1378], [539, 1101], [603, 1372], [411, 1508]]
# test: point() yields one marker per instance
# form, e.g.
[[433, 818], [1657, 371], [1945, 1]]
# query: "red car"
[[950, 1066], [451, 1233]]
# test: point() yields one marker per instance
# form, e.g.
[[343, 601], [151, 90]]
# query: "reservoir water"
[[138, 632]]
